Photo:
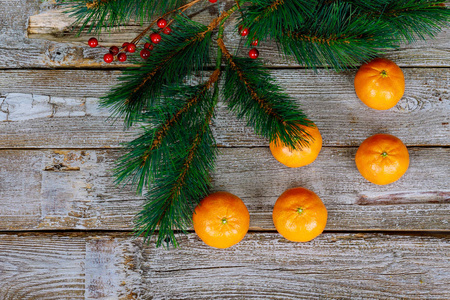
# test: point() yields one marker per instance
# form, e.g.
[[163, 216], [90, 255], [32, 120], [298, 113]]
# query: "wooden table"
[[65, 227]]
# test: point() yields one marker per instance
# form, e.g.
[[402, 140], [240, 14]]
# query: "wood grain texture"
[[262, 266], [62, 267], [73, 189], [51, 50], [53, 45], [59, 109], [54, 25], [46, 186]]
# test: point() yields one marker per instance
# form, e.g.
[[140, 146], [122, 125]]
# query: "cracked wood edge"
[[263, 265], [73, 189], [35, 112]]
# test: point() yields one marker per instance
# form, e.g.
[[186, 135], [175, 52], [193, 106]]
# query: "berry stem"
[[181, 9], [384, 74], [224, 221], [299, 210], [384, 154]]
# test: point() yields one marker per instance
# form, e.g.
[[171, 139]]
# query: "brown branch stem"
[[162, 130], [214, 23], [188, 161], [181, 9], [263, 104]]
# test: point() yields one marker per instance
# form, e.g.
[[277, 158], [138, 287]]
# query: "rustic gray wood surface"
[[65, 228], [263, 265]]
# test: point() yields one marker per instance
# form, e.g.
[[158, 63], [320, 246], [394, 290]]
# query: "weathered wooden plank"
[[53, 24], [73, 189], [420, 53], [54, 45], [62, 267], [58, 110], [19, 51], [263, 265]]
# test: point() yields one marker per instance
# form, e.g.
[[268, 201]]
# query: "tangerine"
[[221, 220], [302, 155], [382, 159], [380, 84], [299, 215]]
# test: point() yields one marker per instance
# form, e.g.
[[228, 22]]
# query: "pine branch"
[[178, 56], [166, 124], [180, 10], [173, 158], [407, 19], [181, 159], [269, 18], [338, 37], [183, 178], [250, 92], [94, 15]]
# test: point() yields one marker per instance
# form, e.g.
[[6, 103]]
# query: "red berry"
[[124, 45], [145, 53], [131, 48], [148, 46], [167, 30], [108, 58], [244, 31], [122, 57], [93, 42], [213, 1], [114, 50], [155, 38], [255, 42], [161, 23], [253, 53]]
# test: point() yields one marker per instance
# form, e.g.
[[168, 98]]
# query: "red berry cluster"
[[155, 38], [253, 53]]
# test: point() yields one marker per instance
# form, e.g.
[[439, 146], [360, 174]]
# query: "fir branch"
[[181, 160], [183, 179], [269, 18], [407, 19], [337, 36], [167, 123], [94, 15], [179, 10], [411, 19], [250, 92], [178, 56]]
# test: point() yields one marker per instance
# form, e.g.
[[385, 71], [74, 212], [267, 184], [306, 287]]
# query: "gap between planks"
[[208, 68], [129, 233]]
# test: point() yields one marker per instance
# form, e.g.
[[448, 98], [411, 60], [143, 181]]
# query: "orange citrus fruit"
[[302, 155], [380, 84], [299, 215], [221, 220], [382, 159]]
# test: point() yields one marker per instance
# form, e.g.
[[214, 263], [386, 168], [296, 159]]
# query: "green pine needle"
[[166, 124], [337, 37], [183, 179], [269, 18], [172, 159], [250, 92], [412, 19], [178, 56], [94, 15]]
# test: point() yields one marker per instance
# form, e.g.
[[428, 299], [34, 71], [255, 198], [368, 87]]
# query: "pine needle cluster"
[[172, 158]]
